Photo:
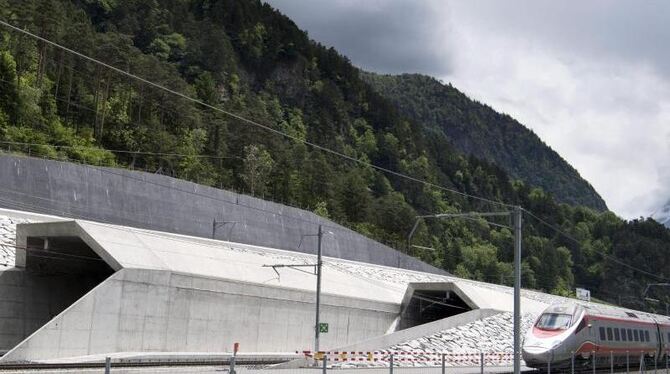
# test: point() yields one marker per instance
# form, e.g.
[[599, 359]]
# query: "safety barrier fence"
[[421, 362], [410, 357], [609, 361]]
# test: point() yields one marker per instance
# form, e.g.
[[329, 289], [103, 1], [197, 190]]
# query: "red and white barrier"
[[435, 358]]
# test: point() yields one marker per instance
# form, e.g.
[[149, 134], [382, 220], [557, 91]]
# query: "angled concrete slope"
[[162, 311], [179, 294], [173, 293], [397, 337], [123, 247]]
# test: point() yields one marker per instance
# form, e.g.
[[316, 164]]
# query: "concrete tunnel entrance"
[[57, 272], [428, 302], [65, 256]]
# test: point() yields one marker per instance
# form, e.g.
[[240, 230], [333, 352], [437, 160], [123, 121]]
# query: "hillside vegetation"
[[476, 129], [246, 58]]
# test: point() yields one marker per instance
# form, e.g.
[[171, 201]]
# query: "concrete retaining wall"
[[162, 203], [152, 310]]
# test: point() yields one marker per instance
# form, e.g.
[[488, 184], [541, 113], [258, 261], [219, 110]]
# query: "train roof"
[[608, 311]]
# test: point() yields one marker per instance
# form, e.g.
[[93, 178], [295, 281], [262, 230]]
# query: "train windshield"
[[554, 321]]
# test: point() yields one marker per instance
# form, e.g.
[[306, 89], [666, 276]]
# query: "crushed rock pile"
[[7, 238]]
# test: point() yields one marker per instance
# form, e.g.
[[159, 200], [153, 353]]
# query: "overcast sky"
[[592, 79]]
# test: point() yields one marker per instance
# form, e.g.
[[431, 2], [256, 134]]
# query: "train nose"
[[536, 355]]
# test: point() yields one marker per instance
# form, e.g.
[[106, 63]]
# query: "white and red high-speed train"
[[593, 333]]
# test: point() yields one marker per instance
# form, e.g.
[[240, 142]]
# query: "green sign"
[[323, 328]]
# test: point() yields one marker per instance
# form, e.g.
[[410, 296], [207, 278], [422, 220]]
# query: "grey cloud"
[[629, 30], [591, 78], [383, 36]]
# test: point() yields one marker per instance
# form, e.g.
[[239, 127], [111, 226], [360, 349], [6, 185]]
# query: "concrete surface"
[[174, 293], [394, 339], [30, 300], [158, 202], [123, 247], [158, 310]]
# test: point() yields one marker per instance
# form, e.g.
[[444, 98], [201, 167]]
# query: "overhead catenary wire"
[[252, 122], [296, 139], [143, 153], [605, 255]]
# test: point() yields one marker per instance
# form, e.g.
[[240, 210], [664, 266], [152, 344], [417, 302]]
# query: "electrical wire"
[[159, 154], [605, 255], [296, 139], [251, 122]]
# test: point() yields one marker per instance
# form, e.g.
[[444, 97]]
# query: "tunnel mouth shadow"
[[55, 273], [428, 302]]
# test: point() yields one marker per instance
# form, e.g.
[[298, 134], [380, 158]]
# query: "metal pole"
[[642, 362], [549, 365], [325, 364], [611, 362], [214, 228], [411, 233], [481, 363], [517, 290], [627, 362], [572, 362], [444, 366], [108, 365], [594, 361], [236, 347], [391, 365], [318, 289]]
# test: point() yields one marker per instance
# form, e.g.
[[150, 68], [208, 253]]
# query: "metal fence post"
[[391, 365], [572, 362], [108, 365], [627, 362], [655, 364], [549, 363], [642, 362], [481, 362], [666, 362], [612, 362], [593, 360], [444, 366], [325, 363]]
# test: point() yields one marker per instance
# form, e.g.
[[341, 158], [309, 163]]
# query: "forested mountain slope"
[[478, 130], [243, 57]]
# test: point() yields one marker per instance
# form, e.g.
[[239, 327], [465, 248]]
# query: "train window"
[[617, 337], [581, 326], [646, 335], [602, 333], [554, 321], [630, 335], [636, 335], [610, 336], [623, 335]]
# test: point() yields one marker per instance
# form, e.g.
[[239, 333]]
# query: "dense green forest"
[[476, 129], [246, 58]]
